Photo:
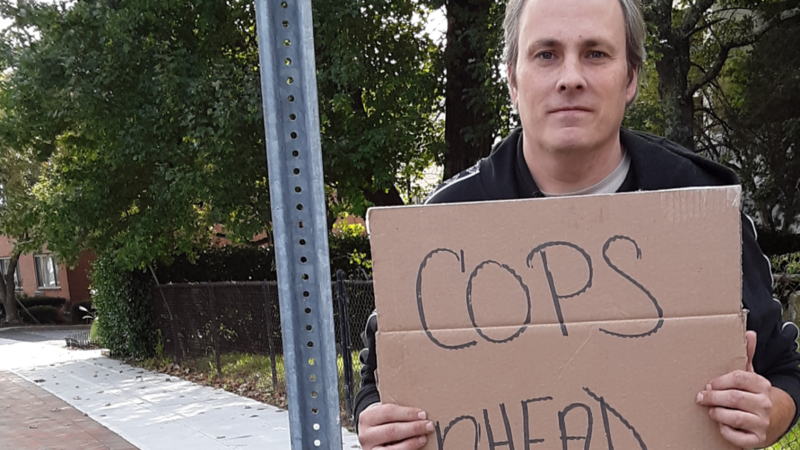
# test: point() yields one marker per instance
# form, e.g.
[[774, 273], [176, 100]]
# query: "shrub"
[[350, 250], [77, 314], [43, 313], [228, 263], [93, 333], [124, 310], [30, 302]]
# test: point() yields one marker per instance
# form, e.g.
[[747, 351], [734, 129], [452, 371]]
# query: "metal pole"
[[344, 331], [291, 119]]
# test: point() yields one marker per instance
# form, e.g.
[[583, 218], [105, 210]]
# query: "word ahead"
[[557, 297], [528, 440]]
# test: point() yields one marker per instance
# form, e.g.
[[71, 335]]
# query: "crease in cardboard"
[[520, 328]]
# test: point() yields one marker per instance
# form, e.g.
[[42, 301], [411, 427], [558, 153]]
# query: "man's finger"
[[739, 420], [740, 380], [735, 399], [395, 432], [751, 339], [387, 413], [414, 443], [739, 438]]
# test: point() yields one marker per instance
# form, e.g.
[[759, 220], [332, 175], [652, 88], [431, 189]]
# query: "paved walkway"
[[32, 418], [149, 410]]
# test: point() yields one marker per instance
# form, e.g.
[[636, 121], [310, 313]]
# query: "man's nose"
[[571, 76]]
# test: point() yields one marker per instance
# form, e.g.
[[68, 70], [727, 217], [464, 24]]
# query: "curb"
[[45, 327]]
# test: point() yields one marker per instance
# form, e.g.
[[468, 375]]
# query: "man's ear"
[[512, 84], [633, 86]]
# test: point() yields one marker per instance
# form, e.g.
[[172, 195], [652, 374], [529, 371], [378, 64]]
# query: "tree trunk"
[[673, 74], [9, 287], [672, 65], [468, 132]]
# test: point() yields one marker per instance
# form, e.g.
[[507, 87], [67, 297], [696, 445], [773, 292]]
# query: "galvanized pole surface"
[[291, 118]]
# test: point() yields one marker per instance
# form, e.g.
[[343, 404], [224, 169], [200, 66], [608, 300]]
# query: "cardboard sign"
[[561, 323]]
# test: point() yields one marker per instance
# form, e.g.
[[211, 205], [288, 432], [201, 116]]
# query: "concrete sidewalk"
[[152, 411]]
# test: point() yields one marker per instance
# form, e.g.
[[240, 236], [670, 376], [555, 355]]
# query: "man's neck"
[[565, 171]]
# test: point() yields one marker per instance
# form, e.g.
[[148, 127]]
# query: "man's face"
[[570, 80]]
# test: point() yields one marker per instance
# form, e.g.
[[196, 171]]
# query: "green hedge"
[[44, 314], [124, 310], [55, 302], [228, 263]]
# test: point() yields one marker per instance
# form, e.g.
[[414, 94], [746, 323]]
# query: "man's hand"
[[393, 427], [750, 412]]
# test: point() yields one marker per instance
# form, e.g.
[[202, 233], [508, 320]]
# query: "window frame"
[[17, 275], [37, 259]]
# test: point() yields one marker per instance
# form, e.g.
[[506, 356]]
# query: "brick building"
[[41, 274]]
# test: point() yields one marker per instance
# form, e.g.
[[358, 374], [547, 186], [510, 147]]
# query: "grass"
[[247, 375], [789, 442]]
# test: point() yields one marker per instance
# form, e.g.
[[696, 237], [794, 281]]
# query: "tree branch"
[[258, 243], [724, 50], [704, 26], [695, 13]]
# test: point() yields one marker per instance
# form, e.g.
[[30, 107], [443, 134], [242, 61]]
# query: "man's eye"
[[546, 55], [596, 54]]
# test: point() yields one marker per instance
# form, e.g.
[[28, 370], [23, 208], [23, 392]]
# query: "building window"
[[46, 271], [4, 263]]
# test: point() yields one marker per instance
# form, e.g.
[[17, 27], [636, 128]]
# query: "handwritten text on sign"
[[560, 323]]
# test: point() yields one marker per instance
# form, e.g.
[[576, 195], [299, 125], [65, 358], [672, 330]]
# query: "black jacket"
[[656, 163]]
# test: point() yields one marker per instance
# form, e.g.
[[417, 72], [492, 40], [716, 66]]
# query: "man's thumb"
[[751, 339]]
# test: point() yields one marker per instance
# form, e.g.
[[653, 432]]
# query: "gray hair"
[[634, 33]]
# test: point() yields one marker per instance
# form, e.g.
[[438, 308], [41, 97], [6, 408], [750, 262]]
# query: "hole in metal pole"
[[295, 153], [299, 207], [302, 242], [310, 344], [308, 310], [284, 5], [317, 443], [313, 393], [292, 117], [311, 362], [296, 171], [293, 135], [306, 294], [289, 80], [285, 24], [288, 61], [313, 378], [303, 259], [314, 410], [290, 98], [287, 43], [305, 277], [309, 328], [297, 189], [316, 427]]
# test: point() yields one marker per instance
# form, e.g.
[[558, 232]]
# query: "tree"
[[150, 116], [476, 94], [692, 43], [757, 128], [19, 213], [379, 96]]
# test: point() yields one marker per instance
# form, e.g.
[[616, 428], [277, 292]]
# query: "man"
[[573, 68]]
